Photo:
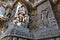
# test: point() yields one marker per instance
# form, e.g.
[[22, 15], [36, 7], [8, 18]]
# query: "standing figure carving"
[[21, 16], [44, 16]]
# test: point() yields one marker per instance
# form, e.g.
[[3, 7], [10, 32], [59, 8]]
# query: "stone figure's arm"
[[33, 5]]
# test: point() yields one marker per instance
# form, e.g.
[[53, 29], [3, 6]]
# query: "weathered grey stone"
[[57, 38], [14, 38], [43, 24]]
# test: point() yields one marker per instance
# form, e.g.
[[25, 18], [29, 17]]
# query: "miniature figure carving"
[[21, 15], [44, 17]]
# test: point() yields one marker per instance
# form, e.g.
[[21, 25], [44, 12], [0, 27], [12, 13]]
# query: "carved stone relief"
[[21, 15], [38, 23]]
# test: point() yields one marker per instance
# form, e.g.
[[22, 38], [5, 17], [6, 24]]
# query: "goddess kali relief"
[[21, 15]]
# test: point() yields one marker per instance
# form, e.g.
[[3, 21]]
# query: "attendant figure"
[[44, 16]]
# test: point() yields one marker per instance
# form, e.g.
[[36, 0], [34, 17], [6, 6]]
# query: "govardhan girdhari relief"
[[29, 19]]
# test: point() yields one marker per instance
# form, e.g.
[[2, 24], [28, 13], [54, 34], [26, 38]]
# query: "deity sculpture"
[[21, 14], [18, 16]]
